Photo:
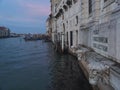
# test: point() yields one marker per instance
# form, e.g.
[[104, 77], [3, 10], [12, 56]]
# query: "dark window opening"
[[105, 0], [75, 1], [90, 6], [67, 38], [71, 38], [76, 19]]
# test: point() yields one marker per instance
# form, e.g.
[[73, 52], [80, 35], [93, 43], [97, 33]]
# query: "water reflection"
[[66, 74], [36, 66]]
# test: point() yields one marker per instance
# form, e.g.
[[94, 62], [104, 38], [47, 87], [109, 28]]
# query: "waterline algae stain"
[[34, 65]]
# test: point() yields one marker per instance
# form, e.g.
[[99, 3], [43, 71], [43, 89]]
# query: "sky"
[[24, 16]]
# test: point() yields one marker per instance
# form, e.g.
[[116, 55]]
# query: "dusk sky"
[[24, 16]]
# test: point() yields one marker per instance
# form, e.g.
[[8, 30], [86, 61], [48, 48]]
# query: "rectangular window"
[[90, 6], [71, 38], [101, 39], [67, 38], [76, 19]]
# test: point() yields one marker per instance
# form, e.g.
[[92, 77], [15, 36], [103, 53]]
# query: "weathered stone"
[[94, 24]]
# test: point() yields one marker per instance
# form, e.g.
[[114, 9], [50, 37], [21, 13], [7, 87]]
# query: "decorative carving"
[[80, 54], [73, 49], [118, 2], [98, 72], [93, 77], [69, 2], [101, 47], [65, 7]]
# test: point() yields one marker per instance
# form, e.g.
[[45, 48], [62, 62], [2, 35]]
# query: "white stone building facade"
[[93, 24], [49, 27]]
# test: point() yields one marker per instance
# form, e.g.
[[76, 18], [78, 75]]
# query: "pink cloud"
[[18, 19], [41, 10], [27, 13], [22, 19], [34, 9]]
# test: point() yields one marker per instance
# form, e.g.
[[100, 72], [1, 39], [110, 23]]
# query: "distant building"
[[4, 32], [30, 36], [14, 35]]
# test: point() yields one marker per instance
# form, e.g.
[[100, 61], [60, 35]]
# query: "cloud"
[[36, 9], [0, 16], [24, 13], [18, 19], [39, 10]]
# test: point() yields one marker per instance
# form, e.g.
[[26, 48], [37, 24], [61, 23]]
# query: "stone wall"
[[93, 25]]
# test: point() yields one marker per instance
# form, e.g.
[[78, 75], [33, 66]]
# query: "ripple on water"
[[35, 66]]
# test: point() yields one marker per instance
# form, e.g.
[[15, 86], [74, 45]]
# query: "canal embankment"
[[102, 72]]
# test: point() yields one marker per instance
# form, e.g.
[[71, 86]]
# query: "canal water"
[[34, 65]]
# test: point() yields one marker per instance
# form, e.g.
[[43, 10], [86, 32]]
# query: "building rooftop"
[[3, 28]]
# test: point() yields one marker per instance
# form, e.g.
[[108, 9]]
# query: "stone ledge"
[[100, 68]]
